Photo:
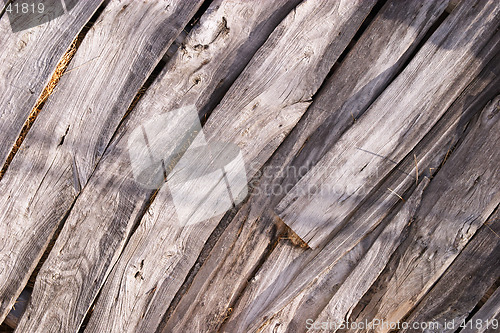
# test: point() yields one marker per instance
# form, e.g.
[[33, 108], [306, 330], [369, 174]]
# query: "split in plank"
[[28, 58]]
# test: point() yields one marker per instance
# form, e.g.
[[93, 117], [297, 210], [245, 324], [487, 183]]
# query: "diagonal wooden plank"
[[225, 57], [263, 90], [69, 137], [110, 166], [463, 284], [487, 319], [458, 201], [371, 265], [306, 266], [299, 315], [28, 59], [352, 87], [320, 203], [303, 270]]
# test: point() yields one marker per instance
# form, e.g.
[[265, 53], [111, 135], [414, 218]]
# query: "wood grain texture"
[[430, 153], [457, 202], [490, 311], [352, 87], [69, 137], [215, 66], [299, 314], [372, 263], [28, 59], [278, 286], [256, 114], [463, 284], [320, 203]]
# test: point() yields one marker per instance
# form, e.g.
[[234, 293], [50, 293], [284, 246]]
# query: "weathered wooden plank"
[[251, 116], [294, 316], [430, 153], [487, 319], [371, 265], [271, 281], [464, 283], [69, 137], [28, 59], [299, 315], [320, 203], [352, 87], [457, 202]]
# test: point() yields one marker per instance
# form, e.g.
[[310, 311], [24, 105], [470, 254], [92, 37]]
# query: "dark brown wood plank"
[[259, 109], [464, 283], [352, 87], [28, 59], [69, 137], [487, 319], [320, 203]]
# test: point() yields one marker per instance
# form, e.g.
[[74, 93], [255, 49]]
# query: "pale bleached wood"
[[70, 135], [488, 312], [260, 108], [458, 201], [320, 203], [28, 58], [363, 74], [464, 283], [430, 153]]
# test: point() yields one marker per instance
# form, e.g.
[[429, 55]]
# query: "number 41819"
[[479, 323], [25, 8]]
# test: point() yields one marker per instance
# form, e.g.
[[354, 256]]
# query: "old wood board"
[[464, 283], [247, 238], [443, 224], [28, 58], [252, 96], [348, 172], [71, 134], [302, 273]]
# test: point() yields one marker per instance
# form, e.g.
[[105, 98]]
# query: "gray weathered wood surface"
[[320, 203], [309, 265], [28, 59], [129, 192], [489, 311], [301, 272], [444, 224], [353, 86], [465, 282], [249, 110], [69, 137]]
